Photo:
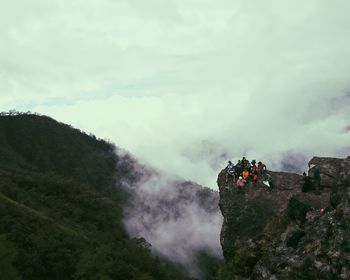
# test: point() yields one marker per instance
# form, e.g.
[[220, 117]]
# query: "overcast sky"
[[186, 85]]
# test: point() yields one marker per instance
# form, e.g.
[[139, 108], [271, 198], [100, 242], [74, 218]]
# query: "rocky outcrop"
[[282, 233], [330, 169]]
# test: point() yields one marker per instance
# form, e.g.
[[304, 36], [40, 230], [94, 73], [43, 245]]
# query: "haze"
[[186, 85]]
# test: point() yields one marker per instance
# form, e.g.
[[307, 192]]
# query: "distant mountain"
[[62, 195]]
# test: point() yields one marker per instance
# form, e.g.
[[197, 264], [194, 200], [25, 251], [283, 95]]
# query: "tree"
[[7, 256]]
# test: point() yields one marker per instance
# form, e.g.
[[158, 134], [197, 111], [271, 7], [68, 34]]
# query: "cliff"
[[280, 233]]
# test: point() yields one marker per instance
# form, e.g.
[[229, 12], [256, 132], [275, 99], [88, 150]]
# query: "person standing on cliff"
[[239, 168], [261, 168], [253, 167], [230, 171], [245, 174], [240, 183], [308, 184], [254, 177], [315, 174]]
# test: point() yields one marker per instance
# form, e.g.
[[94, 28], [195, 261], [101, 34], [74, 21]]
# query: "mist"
[[180, 219], [186, 85]]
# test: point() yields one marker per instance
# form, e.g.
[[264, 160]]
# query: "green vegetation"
[[61, 206]]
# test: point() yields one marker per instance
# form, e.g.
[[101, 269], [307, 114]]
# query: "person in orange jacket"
[[245, 174]]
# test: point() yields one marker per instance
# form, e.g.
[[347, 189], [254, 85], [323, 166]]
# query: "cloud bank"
[[180, 219], [186, 85]]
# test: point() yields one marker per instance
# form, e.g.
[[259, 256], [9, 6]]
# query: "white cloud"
[[182, 84], [176, 218]]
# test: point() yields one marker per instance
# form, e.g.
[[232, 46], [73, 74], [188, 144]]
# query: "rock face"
[[330, 169], [281, 233]]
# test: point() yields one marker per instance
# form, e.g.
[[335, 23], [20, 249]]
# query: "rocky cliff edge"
[[284, 233]]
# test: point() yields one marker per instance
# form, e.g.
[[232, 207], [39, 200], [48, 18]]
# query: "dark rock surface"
[[282, 233]]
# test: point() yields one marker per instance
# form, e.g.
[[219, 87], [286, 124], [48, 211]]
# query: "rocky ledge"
[[284, 233]]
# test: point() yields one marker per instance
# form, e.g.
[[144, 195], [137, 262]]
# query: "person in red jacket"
[[254, 177], [261, 168]]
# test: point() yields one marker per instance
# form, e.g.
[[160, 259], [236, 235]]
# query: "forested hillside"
[[61, 207]]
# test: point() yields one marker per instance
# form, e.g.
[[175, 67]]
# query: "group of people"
[[250, 171], [244, 171]]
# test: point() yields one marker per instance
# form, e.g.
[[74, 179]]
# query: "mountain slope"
[[61, 206], [180, 219]]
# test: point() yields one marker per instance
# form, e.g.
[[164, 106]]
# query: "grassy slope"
[[61, 208]]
